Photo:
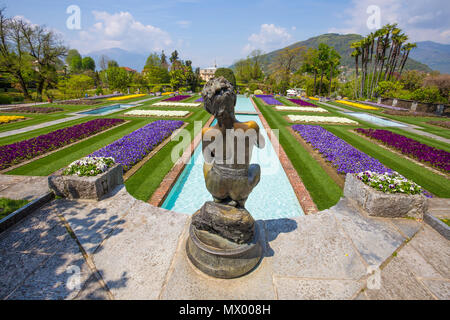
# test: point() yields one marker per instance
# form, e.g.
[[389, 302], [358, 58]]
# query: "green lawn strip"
[[418, 121], [148, 178], [55, 161], [436, 184], [323, 190], [8, 206], [33, 119], [45, 130], [446, 221]]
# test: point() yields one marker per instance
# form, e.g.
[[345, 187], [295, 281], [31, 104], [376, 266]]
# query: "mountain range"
[[426, 57]]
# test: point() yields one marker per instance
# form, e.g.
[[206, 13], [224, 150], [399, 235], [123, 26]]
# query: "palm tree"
[[400, 40], [406, 49], [356, 53]]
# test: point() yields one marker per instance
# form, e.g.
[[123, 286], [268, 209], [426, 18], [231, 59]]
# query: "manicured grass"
[[8, 206], [323, 190], [32, 120], [446, 221], [145, 182], [55, 161]]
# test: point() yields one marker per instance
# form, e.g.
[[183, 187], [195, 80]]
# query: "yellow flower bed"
[[126, 97], [357, 105], [6, 119], [167, 93], [313, 98]]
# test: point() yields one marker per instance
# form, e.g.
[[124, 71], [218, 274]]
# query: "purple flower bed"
[[176, 98], [15, 153], [382, 105], [344, 157], [269, 99], [302, 103], [199, 100], [436, 157], [132, 148]]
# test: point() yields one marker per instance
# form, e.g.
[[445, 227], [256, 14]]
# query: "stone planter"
[[75, 187], [389, 205]]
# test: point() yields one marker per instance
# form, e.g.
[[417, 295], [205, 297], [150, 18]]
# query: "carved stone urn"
[[224, 240]]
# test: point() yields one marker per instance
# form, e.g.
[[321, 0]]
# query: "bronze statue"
[[228, 174], [224, 240]]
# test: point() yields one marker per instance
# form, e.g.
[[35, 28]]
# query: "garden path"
[[22, 187], [39, 126], [408, 127], [123, 248]]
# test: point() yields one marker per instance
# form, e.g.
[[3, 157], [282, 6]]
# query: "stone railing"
[[440, 109]]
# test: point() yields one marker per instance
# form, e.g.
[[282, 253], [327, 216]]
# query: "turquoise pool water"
[[108, 109], [244, 105], [375, 120], [272, 198]]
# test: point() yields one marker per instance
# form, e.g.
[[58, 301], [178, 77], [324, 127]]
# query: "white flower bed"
[[297, 118], [157, 113], [306, 109], [89, 166], [176, 104]]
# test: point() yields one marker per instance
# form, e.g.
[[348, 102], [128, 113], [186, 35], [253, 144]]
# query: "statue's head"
[[219, 97]]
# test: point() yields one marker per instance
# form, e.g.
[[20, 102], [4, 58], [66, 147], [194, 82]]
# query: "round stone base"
[[221, 258]]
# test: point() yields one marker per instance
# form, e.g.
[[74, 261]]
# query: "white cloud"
[[420, 20], [184, 23], [270, 37], [121, 30]]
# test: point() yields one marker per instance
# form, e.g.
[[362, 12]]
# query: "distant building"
[[129, 69], [208, 73]]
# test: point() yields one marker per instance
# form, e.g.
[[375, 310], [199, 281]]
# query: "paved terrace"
[[128, 249]]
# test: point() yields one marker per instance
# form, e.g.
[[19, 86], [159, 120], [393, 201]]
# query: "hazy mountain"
[[123, 57], [342, 44], [435, 55]]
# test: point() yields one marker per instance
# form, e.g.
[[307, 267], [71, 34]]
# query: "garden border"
[[303, 196], [56, 150], [26, 210], [159, 196], [128, 174], [158, 117], [437, 225], [322, 123]]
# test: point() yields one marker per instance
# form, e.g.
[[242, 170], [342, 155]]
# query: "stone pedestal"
[[222, 258], [224, 241]]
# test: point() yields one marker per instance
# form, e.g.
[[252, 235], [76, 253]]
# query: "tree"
[[76, 64], [79, 84], [46, 49], [285, 63], [227, 74], [112, 64], [104, 62], [153, 60], [15, 61], [311, 64], [118, 78], [334, 62], [324, 58], [71, 54], [88, 64], [156, 75], [164, 63]]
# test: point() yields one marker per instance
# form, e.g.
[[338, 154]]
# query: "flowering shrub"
[[6, 119], [89, 166], [176, 104], [357, 105], [133, 147], [126, 97], [319, 119], [269, 99], [306, 109], [177, 98], [302, 103], [436, 157], [15, 153], [390, 182], [33, 110], [157, 113], [344, 157]]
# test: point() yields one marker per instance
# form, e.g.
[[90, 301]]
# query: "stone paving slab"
[[316, 289], [135, 258], [399, 283], [440, 288], [375, 238], [22, 187], [312, 247], [434, 248], [92, 290]]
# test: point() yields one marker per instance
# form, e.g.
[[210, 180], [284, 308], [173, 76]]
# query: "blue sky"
[[208, 30]]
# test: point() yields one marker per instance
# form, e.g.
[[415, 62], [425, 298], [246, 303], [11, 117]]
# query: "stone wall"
[[417, 106]]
